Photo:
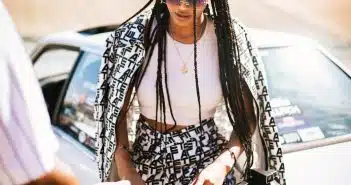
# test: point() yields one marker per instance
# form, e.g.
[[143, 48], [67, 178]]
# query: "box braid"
[[232, 82], [231, 77], [195, 62], [151, 38]]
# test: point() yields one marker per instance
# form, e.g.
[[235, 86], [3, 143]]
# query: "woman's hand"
[[125, 168], [134, 178], [55, 177], [216, 172]]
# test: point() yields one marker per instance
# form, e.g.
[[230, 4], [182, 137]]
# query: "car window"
[[55, 61], [76, 112], [310, 95]]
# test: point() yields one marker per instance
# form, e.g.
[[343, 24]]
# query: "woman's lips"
[[183, 17]]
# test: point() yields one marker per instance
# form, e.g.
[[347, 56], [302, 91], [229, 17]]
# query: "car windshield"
[[310, 95]]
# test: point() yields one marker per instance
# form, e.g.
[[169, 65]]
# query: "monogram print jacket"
[[124, 55]]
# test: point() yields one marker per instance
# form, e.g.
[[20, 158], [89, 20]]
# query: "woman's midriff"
[[161, 127]]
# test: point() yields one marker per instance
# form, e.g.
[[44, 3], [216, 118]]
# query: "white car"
[[310, 94]]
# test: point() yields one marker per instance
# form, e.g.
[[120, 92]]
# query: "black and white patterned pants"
[[177, 157]]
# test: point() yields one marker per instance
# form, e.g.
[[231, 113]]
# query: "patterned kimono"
[[123, 56]]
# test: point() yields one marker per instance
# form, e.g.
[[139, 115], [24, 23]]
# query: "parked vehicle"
[[310, 97]]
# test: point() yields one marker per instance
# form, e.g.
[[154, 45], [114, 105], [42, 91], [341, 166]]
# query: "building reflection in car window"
[[310, 95], [76, 113]]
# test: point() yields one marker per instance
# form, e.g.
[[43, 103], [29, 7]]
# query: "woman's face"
[[181, 11]]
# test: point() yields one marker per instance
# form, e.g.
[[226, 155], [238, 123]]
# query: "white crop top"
[[182, 86]]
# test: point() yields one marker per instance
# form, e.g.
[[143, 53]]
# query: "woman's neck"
[[185, 34]]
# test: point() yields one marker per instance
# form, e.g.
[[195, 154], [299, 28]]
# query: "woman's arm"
[[234, 144], [124, 165], [122, 158], [216, 172]]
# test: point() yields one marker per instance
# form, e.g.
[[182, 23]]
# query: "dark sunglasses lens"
[[190, 2]]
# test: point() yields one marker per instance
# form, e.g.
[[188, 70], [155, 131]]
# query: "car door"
[[52, 64], [63, 72], [73, 116], [311, 103], [76, 107]]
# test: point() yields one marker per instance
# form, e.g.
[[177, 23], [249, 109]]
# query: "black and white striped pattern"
[[176, 157]]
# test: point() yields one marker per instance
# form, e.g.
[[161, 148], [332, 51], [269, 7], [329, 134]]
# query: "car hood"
[[319, 166]]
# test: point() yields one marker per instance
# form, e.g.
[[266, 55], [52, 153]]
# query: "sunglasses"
[[187, 2]]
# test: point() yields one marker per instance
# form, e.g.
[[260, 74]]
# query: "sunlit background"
[[327, 21], [310, 94]]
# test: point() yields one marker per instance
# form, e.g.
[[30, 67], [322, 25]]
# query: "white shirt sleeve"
[[27, 142]]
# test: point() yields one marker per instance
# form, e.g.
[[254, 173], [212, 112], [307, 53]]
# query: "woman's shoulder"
[[131, 32]]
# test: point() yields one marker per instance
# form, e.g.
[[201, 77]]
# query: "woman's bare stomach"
[[161, 127]]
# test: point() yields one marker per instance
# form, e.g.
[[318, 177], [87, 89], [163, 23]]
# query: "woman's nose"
[[185, 3]]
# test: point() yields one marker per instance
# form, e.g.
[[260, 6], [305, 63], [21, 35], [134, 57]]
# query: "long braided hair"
[[232, 82]]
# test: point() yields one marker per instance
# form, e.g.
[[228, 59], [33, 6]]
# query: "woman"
[[184, 60]]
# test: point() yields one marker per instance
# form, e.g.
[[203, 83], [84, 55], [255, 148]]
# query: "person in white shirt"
[[27, 143]]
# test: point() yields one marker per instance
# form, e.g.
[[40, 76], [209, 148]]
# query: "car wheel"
[[82, 137]]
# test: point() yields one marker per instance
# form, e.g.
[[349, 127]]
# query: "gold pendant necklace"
[[184, 68]]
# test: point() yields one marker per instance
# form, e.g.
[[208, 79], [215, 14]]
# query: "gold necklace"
[[184, 68]]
